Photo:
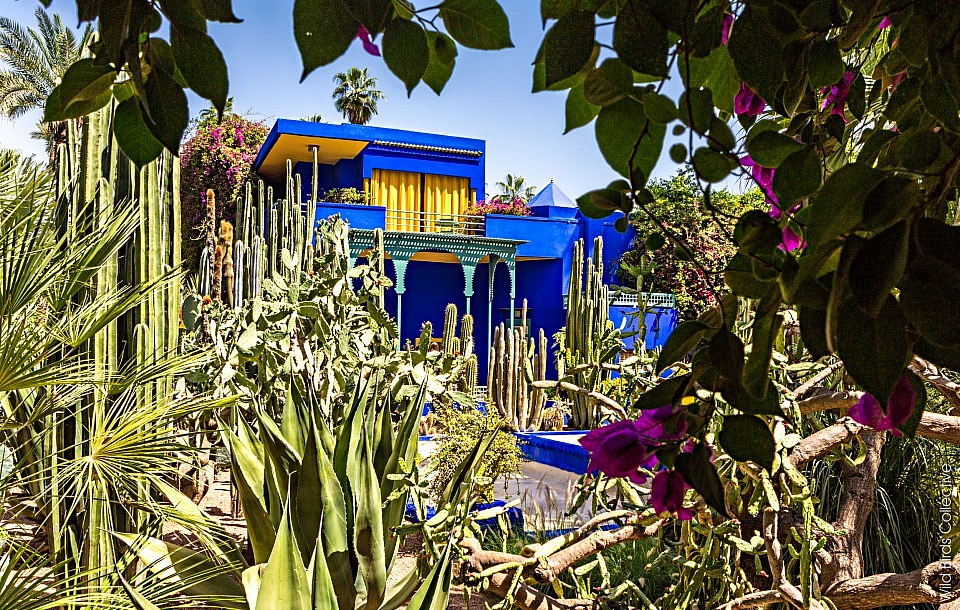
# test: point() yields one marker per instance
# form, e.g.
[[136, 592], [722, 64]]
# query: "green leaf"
[[678, 153], [668, 392], [696, 109], [838, 207], [654, 241], [680, 343], [874, 350], [659, 108], [878, 265], [824, 64], [202, 65], [168, 112], [478, 24], [738, 397], [136, 598], [567, 47], [434, 593], [618, 128], [701, 474], [196, 574], [771, 148], [135, 139], [747, 438], [739, 276], [368, 527], [218, 10], [727, 354], [798, 176], [443, 53], [283, 583], [756, 47], [715, 72], [371, 13], [639, 39], [579, 111], [608, 83], [84, 88], [323, 30], [711, 165], [766, 328], [930, 297], [405, 51], [721, 137], [813, 331]]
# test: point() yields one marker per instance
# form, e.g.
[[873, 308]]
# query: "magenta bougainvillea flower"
[[899, 408], [747, 102], [835, 96], [661, 425], [618, 450], [764, 178], [884, 23], [495, 206], [364, 35], [725, 29], [666, 494]]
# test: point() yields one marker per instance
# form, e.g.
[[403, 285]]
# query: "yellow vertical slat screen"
[[399, 192], [444, 198], [415, 202]]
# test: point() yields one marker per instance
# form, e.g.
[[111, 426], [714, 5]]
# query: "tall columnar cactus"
[[97, 186], [466, 336], [377, 263], [264, 230], [516, 362], [588, 332], [449, 329]]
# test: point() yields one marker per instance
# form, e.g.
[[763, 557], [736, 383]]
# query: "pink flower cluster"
[[495, 206], [217, 157], [622, 448]]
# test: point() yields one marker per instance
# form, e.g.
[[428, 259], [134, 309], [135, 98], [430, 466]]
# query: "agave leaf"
[[434, 593], [139, 601], [250, 578], [210, 531], [368, 528], [283, 583], [200, 576]]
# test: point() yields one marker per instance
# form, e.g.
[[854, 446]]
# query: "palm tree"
[[515, 187], [313, 118], [356, 95], [36, 61]]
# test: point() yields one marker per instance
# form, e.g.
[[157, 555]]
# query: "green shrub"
[[462, 428]]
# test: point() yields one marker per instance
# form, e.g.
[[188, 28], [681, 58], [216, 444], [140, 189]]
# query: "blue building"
[[418, 187]]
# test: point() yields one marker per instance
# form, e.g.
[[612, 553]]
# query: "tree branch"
[[935, 583], [548, 568], [931, 374]]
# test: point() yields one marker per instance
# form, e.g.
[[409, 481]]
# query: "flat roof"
[[290, 139]]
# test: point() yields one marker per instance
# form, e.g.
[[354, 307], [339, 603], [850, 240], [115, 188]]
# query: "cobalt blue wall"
[[660, 322], [539, 281]]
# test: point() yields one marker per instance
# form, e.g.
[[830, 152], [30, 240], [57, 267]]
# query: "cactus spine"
[[516, 363], [450, 330], [587, 321]]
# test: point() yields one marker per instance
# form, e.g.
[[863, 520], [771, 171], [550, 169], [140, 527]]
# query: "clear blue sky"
[[488, 96]]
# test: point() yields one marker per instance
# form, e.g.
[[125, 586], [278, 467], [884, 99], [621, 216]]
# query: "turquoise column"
[[492, 270], [512, 273], [400, 266], [469, 269]]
